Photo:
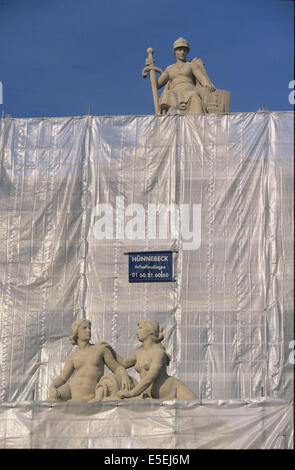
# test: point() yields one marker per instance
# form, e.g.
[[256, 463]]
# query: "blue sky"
[[62, 57]]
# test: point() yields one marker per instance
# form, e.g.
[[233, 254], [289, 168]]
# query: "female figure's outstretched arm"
[[152, 375], [127, 362], [117, 366]]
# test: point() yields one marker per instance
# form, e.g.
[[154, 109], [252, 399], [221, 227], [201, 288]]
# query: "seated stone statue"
[[188, 86], [87, 364], [151, 362]]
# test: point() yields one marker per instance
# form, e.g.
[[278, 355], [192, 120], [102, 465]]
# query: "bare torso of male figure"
[[88, 364], [89, 367]]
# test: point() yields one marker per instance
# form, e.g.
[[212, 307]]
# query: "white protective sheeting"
[[234, 424], [228, 318]]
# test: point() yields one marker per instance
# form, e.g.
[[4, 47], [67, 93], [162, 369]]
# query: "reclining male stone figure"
[[87, 362]]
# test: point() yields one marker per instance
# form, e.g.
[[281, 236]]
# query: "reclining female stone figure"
[[151, 361]]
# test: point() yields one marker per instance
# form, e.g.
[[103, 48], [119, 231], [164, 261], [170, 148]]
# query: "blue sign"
[[150, 266]]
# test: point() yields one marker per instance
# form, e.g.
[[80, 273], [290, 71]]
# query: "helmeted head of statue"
[[181, 42]]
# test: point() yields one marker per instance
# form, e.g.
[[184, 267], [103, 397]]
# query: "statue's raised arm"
[[187, 85]]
